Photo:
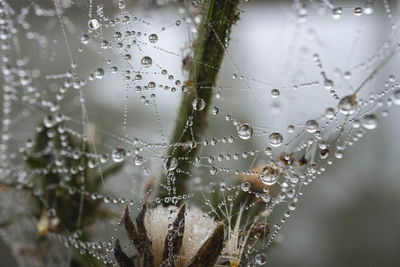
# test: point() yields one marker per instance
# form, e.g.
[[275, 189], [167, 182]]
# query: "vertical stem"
[[209, 47]]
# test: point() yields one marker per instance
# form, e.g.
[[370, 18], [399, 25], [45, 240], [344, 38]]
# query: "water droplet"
[[396, 97], [275, 93], [245, 131], [328, 84], [121, 4], [85, 39], [337, 12], [339, 154], [51, 212], [260, 259], [290, 129], [347, 105], [215, 111], [311, 126], [245, 186], [146, 62], [329, 113], [268, 151], [118, 154], [265, 197], [49, 121], [105, 44], [117, 36], [99, 73], [91, 163], [93, 24], [358, 11], [151, 84], [347, 75], [213, 170], [275, 139], [198, 104], [292, 206], [369, 8], [138, 160], [170, 163], [324, 153], [153, 38], [269, 175], [318, 135], [370, 121]]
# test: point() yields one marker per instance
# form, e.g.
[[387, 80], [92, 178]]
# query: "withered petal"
[[211, 249], [175, 235], [130, 228], [121, 257], [144, 243]]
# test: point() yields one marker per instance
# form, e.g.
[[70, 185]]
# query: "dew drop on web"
[[93, 24], [198, 104], [170, 163], [118, 154], [275, 139], [245, 131], [146, 62], [348, 104]]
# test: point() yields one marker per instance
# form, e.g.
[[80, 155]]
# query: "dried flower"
[[235, 245], [235, 242], [192, 239]]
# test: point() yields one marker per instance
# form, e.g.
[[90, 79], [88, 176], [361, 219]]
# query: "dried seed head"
[[198, 228]]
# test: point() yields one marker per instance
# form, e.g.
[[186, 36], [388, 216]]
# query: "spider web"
[[110, 75]]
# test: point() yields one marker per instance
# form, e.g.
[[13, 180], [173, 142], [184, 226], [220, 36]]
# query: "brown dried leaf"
[[175, 235], [144, 243], [121, 257], [211, 249], [130, 228]]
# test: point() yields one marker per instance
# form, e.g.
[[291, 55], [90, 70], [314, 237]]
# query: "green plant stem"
[[209, 49]]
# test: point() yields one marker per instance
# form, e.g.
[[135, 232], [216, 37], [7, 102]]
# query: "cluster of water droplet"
[[243, 156]]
